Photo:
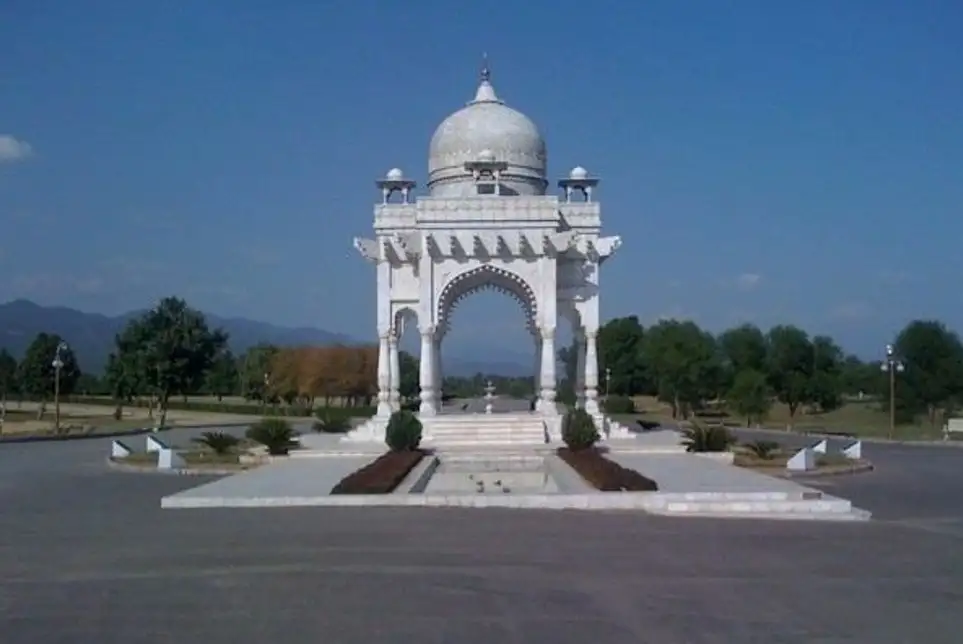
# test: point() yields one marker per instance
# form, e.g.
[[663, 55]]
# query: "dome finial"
[[485, 92]]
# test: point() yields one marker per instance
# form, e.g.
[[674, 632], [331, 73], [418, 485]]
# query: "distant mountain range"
[[91, 335]]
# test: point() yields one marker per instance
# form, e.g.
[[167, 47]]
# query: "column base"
[[371, 431]]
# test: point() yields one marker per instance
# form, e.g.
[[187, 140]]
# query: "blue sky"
[[763, 161]]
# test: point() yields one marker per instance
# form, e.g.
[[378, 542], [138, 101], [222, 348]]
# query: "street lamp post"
[[57, 364], [892, 365], [608, 378]]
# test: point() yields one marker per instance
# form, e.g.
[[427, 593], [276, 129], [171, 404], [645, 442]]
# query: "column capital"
[[591, 334], [428, 330], [393, 336], [547, 332]]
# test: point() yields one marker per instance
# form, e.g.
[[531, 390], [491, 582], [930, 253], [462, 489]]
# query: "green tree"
[[37, 374], [933, 379], [825, 378], [684, 361], [124, 375], [744, 348], [8, 377], [173, 347], [255, 365], [750, 396], [408, 386], [223, 378], [620, 350], [858, 377], [790, 365]]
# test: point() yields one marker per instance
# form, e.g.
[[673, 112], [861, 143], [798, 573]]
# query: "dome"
[[395, 174], [578, 173], [486, 127]]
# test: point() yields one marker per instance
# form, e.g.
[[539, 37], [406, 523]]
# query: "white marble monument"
[[486, 223]]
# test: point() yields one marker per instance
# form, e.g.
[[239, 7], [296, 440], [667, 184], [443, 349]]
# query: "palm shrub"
[[331, 423], [403, 432], [764, 450], [274, 433], [578, 430], [218, 442], [705, 438]]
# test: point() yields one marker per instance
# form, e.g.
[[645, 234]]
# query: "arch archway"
[[482, 277], [463, 286]]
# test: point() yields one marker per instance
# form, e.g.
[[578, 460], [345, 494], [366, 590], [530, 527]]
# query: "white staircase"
[[483, 430]]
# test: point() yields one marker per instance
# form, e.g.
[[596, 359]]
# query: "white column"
[[384, 375], [427, 372], [537, 372], [547, 375], [437, 383], [579, 384], [591, 373], [395, 372]]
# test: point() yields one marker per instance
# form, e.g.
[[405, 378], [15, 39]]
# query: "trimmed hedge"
[[380, 476], [251, 409]]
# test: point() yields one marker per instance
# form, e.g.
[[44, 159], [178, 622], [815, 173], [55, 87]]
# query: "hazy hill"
[[92, 336]]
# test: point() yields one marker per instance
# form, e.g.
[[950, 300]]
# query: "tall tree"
[[255, 367], [37, 374], [175, 348], [790, 365], [745, 348], [684, 362], [222, 378], [933, 379], [409, 386], [750, 395], [8, 375], [619, 351]]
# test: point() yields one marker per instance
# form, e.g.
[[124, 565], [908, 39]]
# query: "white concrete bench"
[[952, 426]]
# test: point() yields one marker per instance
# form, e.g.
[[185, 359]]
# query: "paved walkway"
[[296, 478], [691, 473]]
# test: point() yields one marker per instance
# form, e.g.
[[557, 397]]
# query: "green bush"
[[706, 438], [218, 442], [329, 423], [618, 405], [578, 430], [403, 432], [274, 433]]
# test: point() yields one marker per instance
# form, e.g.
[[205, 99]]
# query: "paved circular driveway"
[[86, 555]]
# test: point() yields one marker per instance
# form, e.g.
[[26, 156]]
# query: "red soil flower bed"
[[380, 476], [603, 474]]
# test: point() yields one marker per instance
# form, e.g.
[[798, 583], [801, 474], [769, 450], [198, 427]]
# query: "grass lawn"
[[859, 419], [195, 458], [19, 422]]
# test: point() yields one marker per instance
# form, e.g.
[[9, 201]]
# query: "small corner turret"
[[395, 182], [579, 182]]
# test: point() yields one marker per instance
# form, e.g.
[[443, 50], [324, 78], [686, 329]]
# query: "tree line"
[[688, 368], [171, 351]]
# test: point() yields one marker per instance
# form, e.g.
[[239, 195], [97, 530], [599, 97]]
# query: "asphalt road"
[[86, 555]]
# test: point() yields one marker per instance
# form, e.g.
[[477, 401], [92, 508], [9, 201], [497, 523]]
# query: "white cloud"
[[12, 149], [851, 311], [748, 281]]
